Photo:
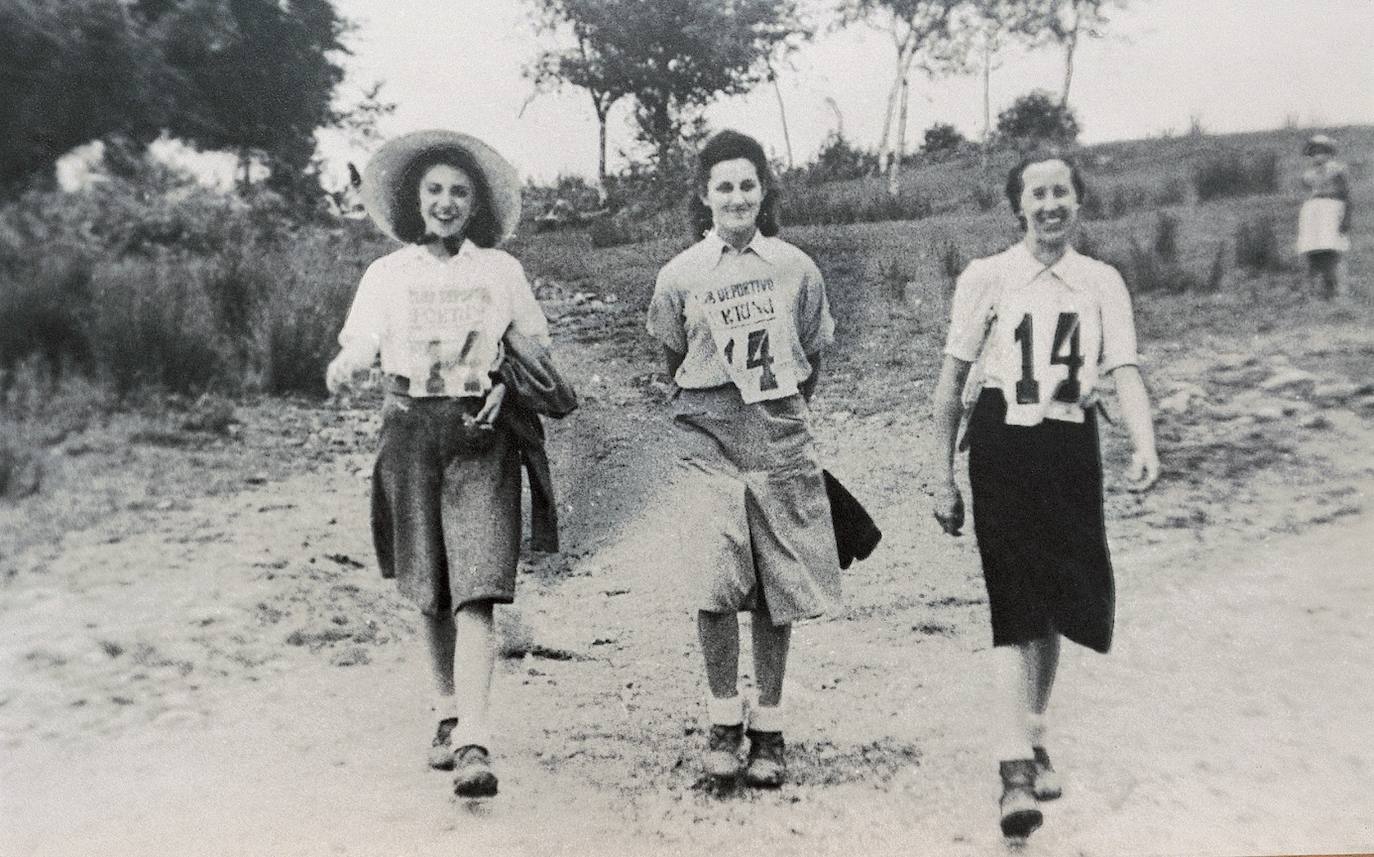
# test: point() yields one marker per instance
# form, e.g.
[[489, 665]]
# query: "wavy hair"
[[482, 228], [728, 145]]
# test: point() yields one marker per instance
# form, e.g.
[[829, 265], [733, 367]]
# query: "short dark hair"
[[728, 145], [1016, 179], [482, 228]]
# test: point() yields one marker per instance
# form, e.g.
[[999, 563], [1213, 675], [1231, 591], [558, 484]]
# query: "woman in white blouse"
[[446, 485], [1033, 330]]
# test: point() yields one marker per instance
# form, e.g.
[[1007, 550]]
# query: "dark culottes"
[[446, 504]]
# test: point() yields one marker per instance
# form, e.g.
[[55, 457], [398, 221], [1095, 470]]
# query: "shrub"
[[154, 327], [45, 309], [1174, 192], [1035, 118], [1156, 267], [987, 195], [838, 160], [1217, 274], [1237, 175], [952, 260], [610, 232], [942, 140], [1165, 244], [1257, 245]]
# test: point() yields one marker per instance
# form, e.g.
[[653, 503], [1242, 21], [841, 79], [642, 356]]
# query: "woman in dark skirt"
[[1032, 331], [446, 485]]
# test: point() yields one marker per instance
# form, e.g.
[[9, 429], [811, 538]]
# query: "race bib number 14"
[[749, 320]]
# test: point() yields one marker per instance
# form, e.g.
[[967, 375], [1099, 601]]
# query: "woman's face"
[[447, 199], [1319, 157], [734, 195], [1048, 201]]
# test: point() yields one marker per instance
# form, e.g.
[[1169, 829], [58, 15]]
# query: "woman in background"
[[1324, 220]]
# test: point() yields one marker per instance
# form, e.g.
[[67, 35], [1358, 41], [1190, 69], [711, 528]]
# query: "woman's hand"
[[491, 408], [949, 508], [1143, 470], [339, 374]]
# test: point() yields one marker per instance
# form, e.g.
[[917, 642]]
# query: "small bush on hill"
[[942, 140], [1037, 117], [1174, 192], [952, 260], [1237, 175], [987, 195], [839, 160], [1257, 245], [1156, 267]]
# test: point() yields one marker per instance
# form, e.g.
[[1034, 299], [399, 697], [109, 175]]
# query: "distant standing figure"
[[1324, 221], [743, 318], [1042, 325]]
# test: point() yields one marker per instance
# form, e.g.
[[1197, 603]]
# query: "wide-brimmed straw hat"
[[1319, 143], [383, 191]]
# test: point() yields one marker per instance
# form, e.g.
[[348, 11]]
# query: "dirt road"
[[229, 675]]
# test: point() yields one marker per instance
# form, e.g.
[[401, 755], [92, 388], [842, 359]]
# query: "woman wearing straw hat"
[[446, 484], [742, 316], [1324, 220]]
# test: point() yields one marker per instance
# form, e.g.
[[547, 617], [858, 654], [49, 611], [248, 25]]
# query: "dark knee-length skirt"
[[446, 504], [1038, 518]]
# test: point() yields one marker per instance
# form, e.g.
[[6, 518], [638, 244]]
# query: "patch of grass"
[[1234, 174]]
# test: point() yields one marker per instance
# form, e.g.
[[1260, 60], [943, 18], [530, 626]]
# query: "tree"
[[991, 25], [941, 140], [1063, 23], [1036, 117], [261, 77], [673, 56], [924, 30], [73, 71], [591, 64]]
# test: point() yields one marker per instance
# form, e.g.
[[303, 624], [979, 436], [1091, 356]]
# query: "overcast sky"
[[1233, 64]]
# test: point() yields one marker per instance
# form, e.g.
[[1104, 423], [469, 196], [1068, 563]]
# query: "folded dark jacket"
[[533, 387], [529, 372], [855, 533]]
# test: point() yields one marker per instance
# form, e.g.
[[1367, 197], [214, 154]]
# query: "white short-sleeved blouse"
[[1045, 335], [439, 322]]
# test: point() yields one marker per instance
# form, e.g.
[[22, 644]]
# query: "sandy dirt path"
[[230, 677]]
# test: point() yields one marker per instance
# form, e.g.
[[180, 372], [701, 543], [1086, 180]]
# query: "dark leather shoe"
[[1048, 784], [473, 777], [722, 751], [1020, 814], [767, 766], [440, 750]]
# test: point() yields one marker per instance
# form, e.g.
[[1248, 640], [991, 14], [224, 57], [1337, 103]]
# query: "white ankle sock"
[[725, 712], [1036, 729], [766, 718], [445, 707]]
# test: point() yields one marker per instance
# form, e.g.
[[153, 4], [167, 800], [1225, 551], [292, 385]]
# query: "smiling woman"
[[742, 316], [447, 315], [1041, 324]]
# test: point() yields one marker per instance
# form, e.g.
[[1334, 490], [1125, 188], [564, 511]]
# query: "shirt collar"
[[466, 250], [759, 245], [1066, 270]]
